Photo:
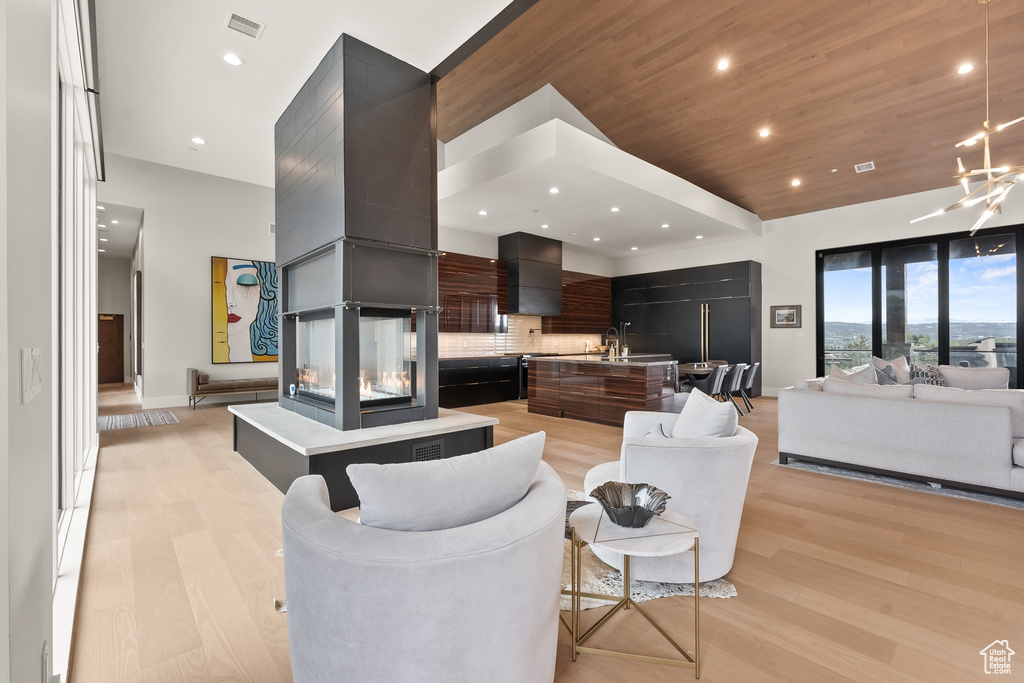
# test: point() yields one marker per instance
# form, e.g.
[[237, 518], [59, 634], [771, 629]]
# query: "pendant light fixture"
[[997, 181]]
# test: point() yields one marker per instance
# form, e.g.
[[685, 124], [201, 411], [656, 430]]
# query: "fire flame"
[[393, 383], [308, 376]]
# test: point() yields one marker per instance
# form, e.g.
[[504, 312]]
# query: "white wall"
[[114, 296], [189, 218], [26, 455], [786, 252]]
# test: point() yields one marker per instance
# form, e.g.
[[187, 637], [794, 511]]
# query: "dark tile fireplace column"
[[356, 227]]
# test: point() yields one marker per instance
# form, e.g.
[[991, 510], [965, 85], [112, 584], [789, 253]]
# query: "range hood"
[[534, 273]]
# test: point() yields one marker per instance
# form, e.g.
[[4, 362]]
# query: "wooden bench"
[[200, 386]]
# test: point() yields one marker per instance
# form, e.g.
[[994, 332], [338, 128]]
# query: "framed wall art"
[[244, 305], [786, 316]]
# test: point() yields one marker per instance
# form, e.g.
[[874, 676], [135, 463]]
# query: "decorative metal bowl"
[[630, 505]]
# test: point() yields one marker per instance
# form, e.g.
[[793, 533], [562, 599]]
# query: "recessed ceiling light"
[[233, 59], [483, 213], [723, 64], [794, 182], [103, 239], [615, 209], [492, 260], [664, 225], [553, 190], [700, 237], [199, 141], [545, 226], [835, 170], [103, 250], [965, 68], [632, 248], [971, 142], [764, 132], [100, 208], [574, 233], [114, 222], [100, 225], [597, 239]]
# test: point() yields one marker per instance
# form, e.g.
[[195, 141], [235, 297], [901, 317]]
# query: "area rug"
[[903, 483], [598, 577], [129, 420]]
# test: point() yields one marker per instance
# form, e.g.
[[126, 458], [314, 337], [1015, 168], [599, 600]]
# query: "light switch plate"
[[31, 374]]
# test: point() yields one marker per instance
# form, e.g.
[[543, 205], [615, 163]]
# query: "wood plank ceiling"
[[837, 82]]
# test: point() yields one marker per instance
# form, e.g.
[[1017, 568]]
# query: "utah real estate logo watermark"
[[997, 657]]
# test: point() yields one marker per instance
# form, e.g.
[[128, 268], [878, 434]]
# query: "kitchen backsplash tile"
[[516, 341]]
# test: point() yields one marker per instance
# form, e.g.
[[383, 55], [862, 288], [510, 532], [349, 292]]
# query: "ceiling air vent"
[[865, 167], [249, 27]]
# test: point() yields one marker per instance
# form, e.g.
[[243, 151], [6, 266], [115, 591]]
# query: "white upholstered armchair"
[[477, 602], [707, 480]]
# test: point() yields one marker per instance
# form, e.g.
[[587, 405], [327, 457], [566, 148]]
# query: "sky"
[[982, 289]]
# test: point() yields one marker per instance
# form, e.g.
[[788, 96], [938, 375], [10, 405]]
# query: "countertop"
[[309, 437], [604, 359]]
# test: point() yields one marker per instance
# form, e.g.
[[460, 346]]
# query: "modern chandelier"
[[998, 181]]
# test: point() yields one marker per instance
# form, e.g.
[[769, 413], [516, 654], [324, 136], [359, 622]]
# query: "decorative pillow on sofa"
[[975, 378], [441, 494], [855, 389], [899, 365], [809, 384], [926, 374], [864, 375], [703, 416], [1011, 398], [886, 375]]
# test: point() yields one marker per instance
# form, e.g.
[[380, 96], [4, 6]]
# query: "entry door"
[[111, 354]]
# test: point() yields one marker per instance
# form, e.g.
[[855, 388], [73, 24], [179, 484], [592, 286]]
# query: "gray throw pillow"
[[886, 375], [442, 494]]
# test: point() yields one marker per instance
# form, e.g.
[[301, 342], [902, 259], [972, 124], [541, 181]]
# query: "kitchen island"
[[599, 388]]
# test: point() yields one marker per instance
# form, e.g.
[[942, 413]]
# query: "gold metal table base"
[[625, 601]]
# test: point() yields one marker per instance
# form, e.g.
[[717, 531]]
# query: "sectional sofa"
[[958, 435]]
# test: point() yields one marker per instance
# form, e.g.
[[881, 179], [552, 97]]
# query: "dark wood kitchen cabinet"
[[473, 293], [474, 381], [586, 306], [703, 313]]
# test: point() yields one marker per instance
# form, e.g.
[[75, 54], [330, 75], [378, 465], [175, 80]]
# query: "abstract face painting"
[[244, 310]]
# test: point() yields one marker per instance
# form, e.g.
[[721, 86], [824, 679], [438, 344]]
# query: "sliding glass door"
[[945, 299], [983, 303]]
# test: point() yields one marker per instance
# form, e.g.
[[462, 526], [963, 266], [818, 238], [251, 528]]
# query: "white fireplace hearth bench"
[[200, 386], [965, 438]]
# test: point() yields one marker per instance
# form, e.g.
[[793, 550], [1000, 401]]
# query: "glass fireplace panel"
[[314, 350], [385, 357]]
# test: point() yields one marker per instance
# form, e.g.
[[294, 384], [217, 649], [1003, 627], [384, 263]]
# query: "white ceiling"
[[120, 235], [163, 80]]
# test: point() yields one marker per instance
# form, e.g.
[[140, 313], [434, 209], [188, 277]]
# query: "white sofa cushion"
[[809, 384], [443, 494], [975, 378], [703, 416], [833, 386], [1011, 398]]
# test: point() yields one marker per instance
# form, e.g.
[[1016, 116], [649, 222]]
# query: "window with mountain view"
[[848, 310], [944, 299], [983, 303]]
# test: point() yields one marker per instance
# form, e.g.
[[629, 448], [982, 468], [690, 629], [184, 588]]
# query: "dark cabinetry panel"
[[586, 305], [664, 310], [473, 381], [473, 293]]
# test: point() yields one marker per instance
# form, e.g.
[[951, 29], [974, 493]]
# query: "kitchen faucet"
[[612, 350]]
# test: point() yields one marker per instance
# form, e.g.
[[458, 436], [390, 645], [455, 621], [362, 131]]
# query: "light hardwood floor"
[[838, 580]]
